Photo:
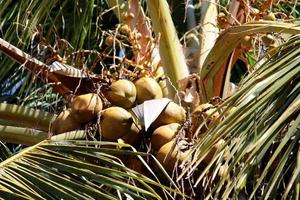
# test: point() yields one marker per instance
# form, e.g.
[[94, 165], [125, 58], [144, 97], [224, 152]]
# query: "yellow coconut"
[[204, 112], [202, 108], [268, 39], [270, 16], [86, 107], [122, 93], [109, 41], [171, 154], [163, 135], [64, 122], [134, 135], [125, 29], [115, 123], [173, 113], [216, 147], [247, 42], [222, 20], [146, 89]]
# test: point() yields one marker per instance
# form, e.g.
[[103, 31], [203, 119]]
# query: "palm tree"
[[260, 135]]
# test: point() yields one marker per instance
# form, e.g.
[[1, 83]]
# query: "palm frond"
[[262, 135], [25, 117], [19, 135], [76, 170], [5, 153], [227, 42]]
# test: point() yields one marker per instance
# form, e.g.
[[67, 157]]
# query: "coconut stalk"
[[20, 135], [35, 66], [26, 117], [171, 53], [209, 30]]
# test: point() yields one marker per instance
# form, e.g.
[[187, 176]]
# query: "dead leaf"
[[67, 70], [148, 112], [190, 91]]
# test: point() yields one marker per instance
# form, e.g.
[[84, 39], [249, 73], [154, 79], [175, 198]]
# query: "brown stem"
[[35, 66]]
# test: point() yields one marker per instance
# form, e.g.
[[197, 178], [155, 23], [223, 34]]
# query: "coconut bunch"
[[203, 117], [168, 137], [171, 142], [118, 121], [267, 40], [161, 137], [130, 84], [169, 147]]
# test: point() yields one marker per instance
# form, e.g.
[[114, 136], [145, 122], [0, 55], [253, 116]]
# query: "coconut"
[[125, 29], [173, 113], [135, 164], [109, 41], [64, 122], [230, 110], [163, 135], [247, 42], [216, 147], [270, 16], [122, 93], [147, 89], [115, 123], [134, 135], [201, 113], [222, 20], [170, 154], [203, 108], [86, 107], [268, 39]]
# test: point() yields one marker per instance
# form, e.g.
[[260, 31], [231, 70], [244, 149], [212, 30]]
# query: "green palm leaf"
[[23, 23], [76, 170], [262, 134], [5, 153]]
